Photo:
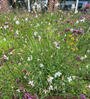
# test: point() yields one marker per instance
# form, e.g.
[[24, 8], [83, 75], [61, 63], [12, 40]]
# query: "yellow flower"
[[70, 43], [69, 35], [76, 49], [72, 38], [67, 41]]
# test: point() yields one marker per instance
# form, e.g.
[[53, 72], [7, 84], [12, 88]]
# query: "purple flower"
[[36, 36], [24, 71], [6, 23], [74, 31], [77, 77], [11, 61], [68, 21], [0, 93], [62, 23], [17, 80], [83, 96], [67, 29], [78, 58], [56, 21]]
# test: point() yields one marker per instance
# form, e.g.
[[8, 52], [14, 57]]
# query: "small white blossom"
[[69, 79], [41, 65], [4, 39], [49, 23], [73, 77], [17, 32], [51, 87], [17, 22], [85, 56], [26, 19], [25, 77], [83, 20], [88, 51], [87, 67], [5, 27], [77, 21], [31, 83], [18, 90], [29, 58], [35, 33]]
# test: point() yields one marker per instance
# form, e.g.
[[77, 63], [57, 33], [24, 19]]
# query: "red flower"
[[24, 71]]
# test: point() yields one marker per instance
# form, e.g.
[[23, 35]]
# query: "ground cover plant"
[[44, 55]]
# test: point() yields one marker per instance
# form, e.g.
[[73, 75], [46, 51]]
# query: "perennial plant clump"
[[43, 55]]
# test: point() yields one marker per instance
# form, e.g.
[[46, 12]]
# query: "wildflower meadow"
[[44, 55]]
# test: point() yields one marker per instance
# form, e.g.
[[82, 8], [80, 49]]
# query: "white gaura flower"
[[18, 90], [38, 24], [49, 24], [31, 83], [85, 56], [87, 67], [88, 51], [26, 19], [51, 13], [58, 47], [4, 39], [35, 33], [69, 79], [82, 58], [77, 21], [25, 77], [41, 65], [14, 18], [83, 20], [36, 16], [39, 38], [17, 32], [5, 27], [65, 34], [17, 22], [57, 74], [73, 77], [29, 58], [50, 87]]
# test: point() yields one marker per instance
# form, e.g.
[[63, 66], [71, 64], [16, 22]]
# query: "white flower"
[[5, 27], [69, 78], [65, 34], [19, 63], [82, 58], [85, 56], [58, 73], [40, 72], [73, 77], [49, 24], [17, 32], [88, 51], [35, 33], [41, 65], [51, 13], [18, 90], [31, 24], [51, 87], [38, 24], [39, 38], [17, 22], [14, 18], [58, 47], [57, 4], [36, 16], [79, 68], [83, 20], [4, 39], [77, 21], [87, 67], [55, 75], [31, 83], [29, 58], [25, 77], [26, 19]]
